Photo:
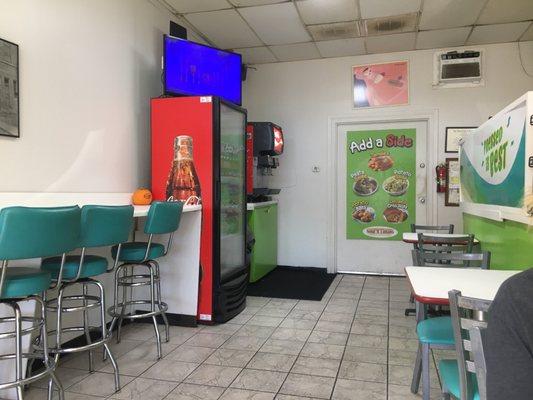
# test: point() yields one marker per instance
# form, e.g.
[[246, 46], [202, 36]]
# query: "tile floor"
[[354, 344]]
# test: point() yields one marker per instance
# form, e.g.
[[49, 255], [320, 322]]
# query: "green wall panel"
[[510, 242]]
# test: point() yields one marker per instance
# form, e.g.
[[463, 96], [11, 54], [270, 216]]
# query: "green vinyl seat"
[[436, 331], [25, 281], [136, 251], [449, 373], [92, 266]]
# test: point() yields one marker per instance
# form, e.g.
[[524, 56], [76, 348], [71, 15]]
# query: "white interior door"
[[375, 255]]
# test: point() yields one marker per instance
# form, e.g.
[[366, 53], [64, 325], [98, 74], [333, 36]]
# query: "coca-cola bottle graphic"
[[183, 183]]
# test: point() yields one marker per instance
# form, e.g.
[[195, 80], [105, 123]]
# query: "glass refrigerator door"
[[232, 193]]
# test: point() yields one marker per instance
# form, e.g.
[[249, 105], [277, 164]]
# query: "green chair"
[[163, 218], [437, 332], [459, 377], [32, 233], [101, 226]]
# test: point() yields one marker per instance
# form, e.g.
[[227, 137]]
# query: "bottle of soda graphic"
[[182, 180]]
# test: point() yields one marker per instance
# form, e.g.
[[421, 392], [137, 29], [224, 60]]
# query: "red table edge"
[[426, 300]]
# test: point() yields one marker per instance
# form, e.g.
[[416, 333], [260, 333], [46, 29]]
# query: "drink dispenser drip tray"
[[262, 194]]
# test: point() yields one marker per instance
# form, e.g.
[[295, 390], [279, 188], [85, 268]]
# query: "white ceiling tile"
[[391, 43], [276, 24], [338, 30], [256, 55], [341, 47], [188, 6], [225, 28], [438, 14], [497, 33], [385, 8], [442, 38], [250, 3], [528, 35], [294, 52], [390, 25], [326, 11], [500, 11]]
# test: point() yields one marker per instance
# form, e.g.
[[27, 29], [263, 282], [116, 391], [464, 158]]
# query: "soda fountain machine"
[[264, 143]]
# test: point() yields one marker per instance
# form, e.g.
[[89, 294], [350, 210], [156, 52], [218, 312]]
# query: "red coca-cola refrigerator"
[[199, 155]]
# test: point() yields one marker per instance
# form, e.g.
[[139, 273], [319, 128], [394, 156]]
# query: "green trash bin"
[[263, 222]]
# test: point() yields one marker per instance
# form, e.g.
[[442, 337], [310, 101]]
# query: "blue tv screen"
[[196, 70]]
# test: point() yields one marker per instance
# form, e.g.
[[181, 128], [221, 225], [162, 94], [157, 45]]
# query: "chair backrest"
[[467, 313], [452, 259], [105, 225], [163, 217], [477, 338], [34, 232], [432, 228]]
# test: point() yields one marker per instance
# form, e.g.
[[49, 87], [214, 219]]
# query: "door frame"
[[429, 116]]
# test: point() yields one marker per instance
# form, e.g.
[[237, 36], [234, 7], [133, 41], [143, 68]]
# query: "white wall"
[[300, 96], [87, 72]]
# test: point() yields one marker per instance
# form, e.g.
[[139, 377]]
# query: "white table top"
[[142, 211], [412, 237], [431, 285]]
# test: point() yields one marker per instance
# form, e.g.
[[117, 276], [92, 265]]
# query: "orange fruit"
[[141, 197]]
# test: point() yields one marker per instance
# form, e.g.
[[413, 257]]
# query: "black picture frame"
[[9, 89], [449, 143]]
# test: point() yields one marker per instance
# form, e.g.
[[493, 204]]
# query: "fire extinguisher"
[[441, 171]]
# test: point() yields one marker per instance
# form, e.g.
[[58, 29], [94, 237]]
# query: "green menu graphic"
[[380, 183]]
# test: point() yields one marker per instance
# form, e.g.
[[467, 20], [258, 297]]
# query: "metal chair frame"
[[422, 363], [126, 278], [38, 325], [468, 314]]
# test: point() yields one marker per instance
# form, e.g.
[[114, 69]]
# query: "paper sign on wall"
[[380, 183]]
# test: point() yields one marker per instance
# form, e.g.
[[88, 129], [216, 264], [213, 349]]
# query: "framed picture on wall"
[[453, 191], [9, 89], [454, 136], [379, 85]]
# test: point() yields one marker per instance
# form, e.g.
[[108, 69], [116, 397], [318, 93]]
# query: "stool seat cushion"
[[449, 373], [92, 266], [25, 281], [135, 251], [437, 330]]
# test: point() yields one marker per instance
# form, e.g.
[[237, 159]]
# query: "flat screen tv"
[[193, 69]]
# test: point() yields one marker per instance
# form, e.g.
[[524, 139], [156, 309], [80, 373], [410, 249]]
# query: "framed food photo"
[[9, 89], [452, 196], [454, 135], [380, 85]]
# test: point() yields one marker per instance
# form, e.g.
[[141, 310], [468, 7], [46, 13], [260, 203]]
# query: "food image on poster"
[[396, 212], [397, 184], [380, 183], [363, 213], [364, 185], [380, 162]]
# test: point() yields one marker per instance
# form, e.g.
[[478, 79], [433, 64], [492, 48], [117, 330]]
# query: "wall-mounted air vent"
[[458, 68], [341, 30], [388, 25]]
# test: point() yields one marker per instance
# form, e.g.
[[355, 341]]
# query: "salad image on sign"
[[380, 183]]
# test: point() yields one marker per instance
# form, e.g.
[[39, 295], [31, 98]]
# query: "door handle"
[[422, 200]]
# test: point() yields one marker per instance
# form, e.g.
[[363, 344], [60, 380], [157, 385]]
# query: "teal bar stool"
[[32, 233], [101, 226], [163, 218]]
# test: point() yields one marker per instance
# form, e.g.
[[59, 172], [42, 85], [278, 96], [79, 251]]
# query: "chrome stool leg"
[[163, 314], [152, 309], [86, 326]]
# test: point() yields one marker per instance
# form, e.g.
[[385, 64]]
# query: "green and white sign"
[[380, 183], [493, 160]]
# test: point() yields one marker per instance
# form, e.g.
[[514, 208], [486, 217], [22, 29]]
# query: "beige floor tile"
[[300, 335], [144, 389], [213, 340], [363, 371], [170, 370], [272, 311], [272, 362], [330, 326], [316, 366], [319, 350], [365, 354], [328, 338], [264, 381], [241, 394], [307, 386], [255, 331], [67, 376], [213, 375], [251, 343], [360, 328], [303, 314], [191, 354], [400, 357], [225, 329], [290, 347], [230, 357], [186, 391], [263, 320], [298, 323], [99, 384], [375, 342], [347, 389]]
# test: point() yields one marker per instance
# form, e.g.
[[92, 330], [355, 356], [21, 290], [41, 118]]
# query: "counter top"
[[253, 206], [49, 199]]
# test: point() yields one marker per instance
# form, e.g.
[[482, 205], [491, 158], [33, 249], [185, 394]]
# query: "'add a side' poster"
[[380, 183]]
